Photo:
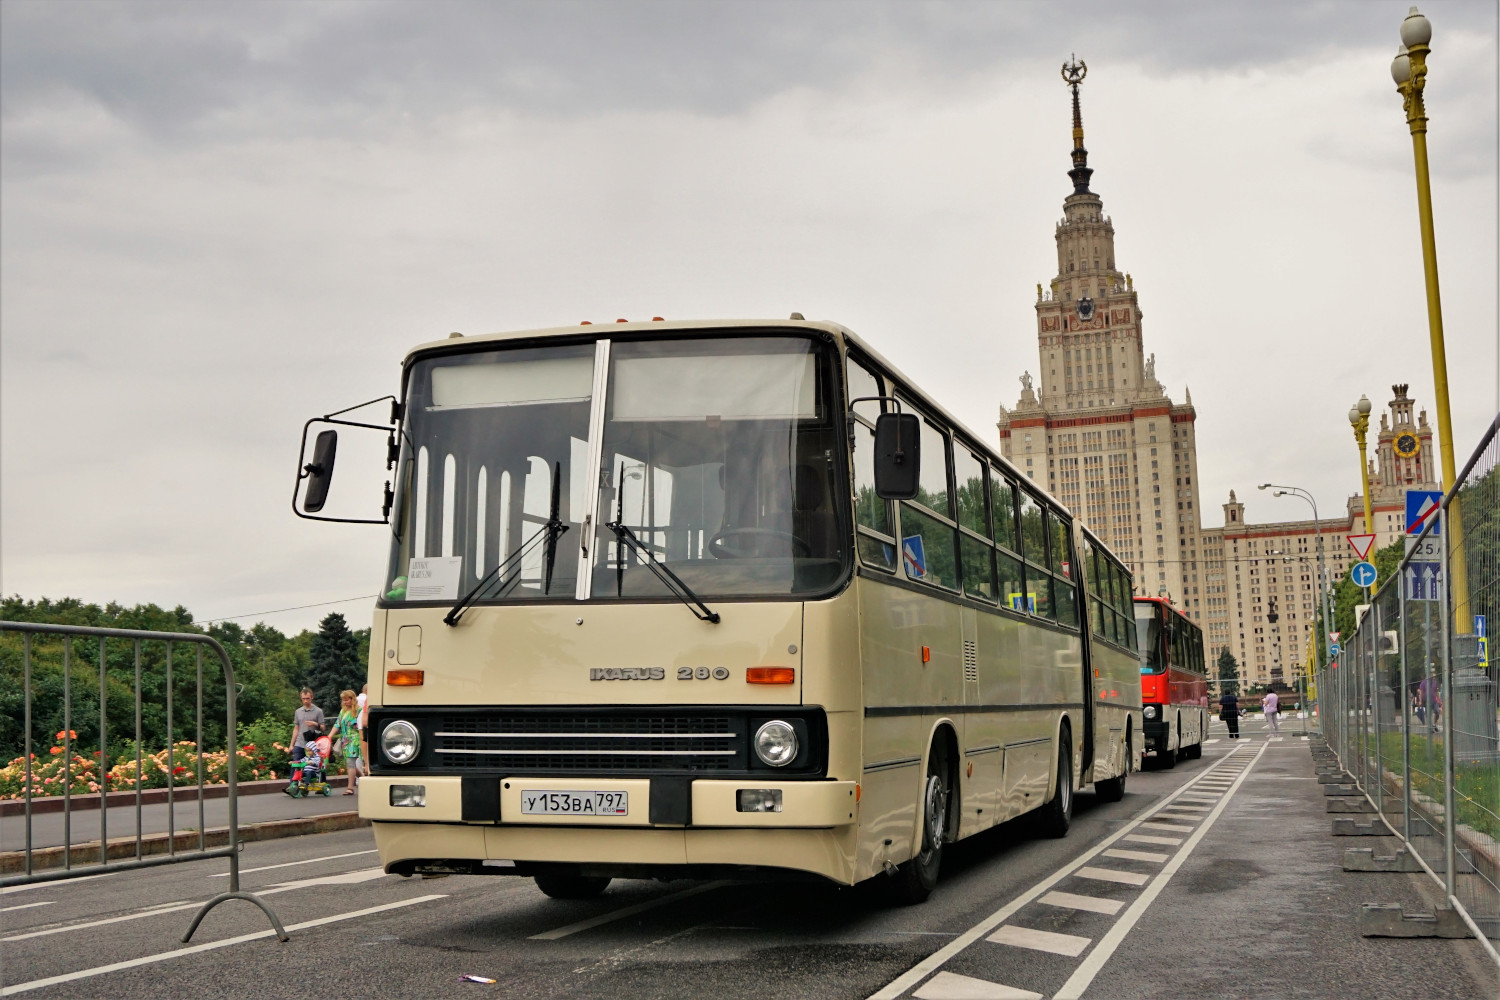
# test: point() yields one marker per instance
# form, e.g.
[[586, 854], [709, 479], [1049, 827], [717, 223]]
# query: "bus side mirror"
[[898, 455], [319, 472]]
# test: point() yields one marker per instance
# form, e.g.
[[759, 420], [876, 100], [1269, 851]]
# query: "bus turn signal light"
[[404, 678], [926, 654], [770, 675]]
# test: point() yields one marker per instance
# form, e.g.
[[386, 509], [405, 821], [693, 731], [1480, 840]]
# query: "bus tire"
[[1166, 758], [1111, 789], [1057, 815], [560, 885], [914, 881]]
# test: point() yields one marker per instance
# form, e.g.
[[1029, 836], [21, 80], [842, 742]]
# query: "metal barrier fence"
[[1409, 706], [32, 871]]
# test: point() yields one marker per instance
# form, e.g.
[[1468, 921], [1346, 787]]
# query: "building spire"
[[1073, 74]]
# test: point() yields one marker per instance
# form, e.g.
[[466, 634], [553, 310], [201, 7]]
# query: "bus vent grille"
[[971, 661], [590, 744]]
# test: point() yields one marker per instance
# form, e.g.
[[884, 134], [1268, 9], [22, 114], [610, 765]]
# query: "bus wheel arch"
[[937, 823], [1057, 815]]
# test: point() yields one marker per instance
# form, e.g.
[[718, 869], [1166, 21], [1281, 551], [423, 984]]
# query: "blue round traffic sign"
[[1363, 574]]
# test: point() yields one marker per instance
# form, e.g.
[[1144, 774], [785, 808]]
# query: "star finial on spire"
[[1073, 73]]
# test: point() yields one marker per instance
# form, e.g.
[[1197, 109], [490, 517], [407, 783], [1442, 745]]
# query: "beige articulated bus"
[[683, 599]]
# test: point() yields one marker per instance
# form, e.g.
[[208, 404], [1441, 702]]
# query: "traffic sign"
[[1424, 581], [1424, 549], [1484, 642], [1363, 574], [1361, 544], [1335, 649], [1421, 510]]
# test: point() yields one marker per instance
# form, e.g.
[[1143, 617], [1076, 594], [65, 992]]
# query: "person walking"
[[1272, 706], [1229, 714], [363, 704], [307, 723], [346, 739]]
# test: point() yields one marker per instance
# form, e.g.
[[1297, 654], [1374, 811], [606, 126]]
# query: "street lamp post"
[[1323, 581], [1409, 70], [1359, 419]]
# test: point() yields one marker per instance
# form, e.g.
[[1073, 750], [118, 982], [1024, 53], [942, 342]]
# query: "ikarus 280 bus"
[[696, 599]]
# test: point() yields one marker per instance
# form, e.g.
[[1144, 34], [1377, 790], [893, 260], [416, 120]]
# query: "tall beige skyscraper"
[[1094, 425]]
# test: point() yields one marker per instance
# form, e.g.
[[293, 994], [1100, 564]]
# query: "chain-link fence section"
[[1410, 705]]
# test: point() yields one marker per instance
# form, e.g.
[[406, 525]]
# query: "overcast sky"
[[219, 219]]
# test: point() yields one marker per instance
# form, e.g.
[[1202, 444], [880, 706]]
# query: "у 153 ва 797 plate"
[[547, 803]]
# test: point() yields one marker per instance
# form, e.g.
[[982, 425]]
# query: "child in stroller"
[[309, 775]]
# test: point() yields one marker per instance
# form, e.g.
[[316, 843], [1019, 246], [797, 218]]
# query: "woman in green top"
[[346, 735]]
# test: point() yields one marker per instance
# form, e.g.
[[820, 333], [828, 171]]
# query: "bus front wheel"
[[1057, 815], [915, 880], [559, 885]]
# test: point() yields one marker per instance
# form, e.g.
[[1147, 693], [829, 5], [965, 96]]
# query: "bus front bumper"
[[813, 832]]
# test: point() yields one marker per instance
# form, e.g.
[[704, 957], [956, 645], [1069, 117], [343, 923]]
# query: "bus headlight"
[[399, 742], [1149, 711], [776, 743]]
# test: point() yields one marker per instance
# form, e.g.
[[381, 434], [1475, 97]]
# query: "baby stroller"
[[309, 775]]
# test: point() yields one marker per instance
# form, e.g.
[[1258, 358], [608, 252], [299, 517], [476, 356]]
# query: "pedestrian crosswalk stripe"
[[1141, 838], [951, 986], [1172, 827], [1112, 875], [1135, 855], [1027, 937], [1214, 740], [1073, 901]]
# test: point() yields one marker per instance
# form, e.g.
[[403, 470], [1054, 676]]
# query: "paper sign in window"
[[434, 578]]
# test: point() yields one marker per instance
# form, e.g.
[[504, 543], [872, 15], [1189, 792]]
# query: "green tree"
[[336, 664], [1229, 671]]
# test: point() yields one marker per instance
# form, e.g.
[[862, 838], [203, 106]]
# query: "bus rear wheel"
[[1057, 815], [1113, 789], [914, 881], [560, 885]]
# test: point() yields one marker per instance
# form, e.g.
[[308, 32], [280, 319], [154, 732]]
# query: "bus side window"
[[1091, 580], [929, 535], [977, 556], [1063, 587], [1003, 503], [875, 529], [1123, 611]]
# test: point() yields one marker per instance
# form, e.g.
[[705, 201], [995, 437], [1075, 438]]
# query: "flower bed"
[[80, 773]]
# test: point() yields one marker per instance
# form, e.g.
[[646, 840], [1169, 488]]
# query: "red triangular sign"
[[1362, 545]]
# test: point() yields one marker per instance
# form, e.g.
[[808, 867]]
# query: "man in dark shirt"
[[1229, 712]]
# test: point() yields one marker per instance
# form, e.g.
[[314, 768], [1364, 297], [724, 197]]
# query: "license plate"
[[548, 803]]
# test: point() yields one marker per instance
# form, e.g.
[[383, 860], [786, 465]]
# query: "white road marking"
[[347, 878], [1029, 937], [1079, 981], [1187, 809], [1073, 901], [896, 987], [1113, 875], [132, 963], [1214, 740], [57, 884], [629, 911], [139, 915], [26, 906], [1201, 798], [950, 986], [289, 864], [1168, 827], [1136, 855]]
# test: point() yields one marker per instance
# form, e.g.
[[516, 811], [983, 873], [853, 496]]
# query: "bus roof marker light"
[[770, 675], [404, 678]]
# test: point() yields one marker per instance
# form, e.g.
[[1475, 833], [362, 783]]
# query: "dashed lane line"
[[1112, 875], [196, 949], [304, 861], [138, 915], [937, 959], [629, 911], [26, 906], [1150, 856], [1084, 975]]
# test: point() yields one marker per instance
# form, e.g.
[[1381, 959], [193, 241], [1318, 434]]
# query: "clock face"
[[1407, 445], [1085, 308]]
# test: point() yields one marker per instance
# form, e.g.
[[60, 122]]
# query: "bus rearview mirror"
[[319, 472], [898, 455]]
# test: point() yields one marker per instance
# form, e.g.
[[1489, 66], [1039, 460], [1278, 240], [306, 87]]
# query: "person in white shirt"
[[361, 710], [1271, 704]]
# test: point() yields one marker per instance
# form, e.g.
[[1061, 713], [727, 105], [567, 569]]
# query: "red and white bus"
[[1174, 685]]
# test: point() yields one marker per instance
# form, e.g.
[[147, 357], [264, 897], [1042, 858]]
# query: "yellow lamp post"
[[1409, 70], [1359, 419]]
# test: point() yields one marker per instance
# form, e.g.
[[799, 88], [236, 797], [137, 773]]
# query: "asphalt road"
[[1240, 894]]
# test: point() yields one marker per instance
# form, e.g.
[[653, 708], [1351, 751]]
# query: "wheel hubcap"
[[937, 814]]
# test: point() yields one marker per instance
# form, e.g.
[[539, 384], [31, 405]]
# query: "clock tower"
[[1098, 429]]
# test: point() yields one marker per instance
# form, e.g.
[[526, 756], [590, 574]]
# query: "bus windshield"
[[718, 454], [719, 457], [1148, 634]]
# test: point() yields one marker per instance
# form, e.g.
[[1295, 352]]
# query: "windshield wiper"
[[670, 580], [551, 531]]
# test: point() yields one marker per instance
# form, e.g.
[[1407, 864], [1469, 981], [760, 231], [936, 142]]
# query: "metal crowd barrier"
[[1410, 708], [140, 859]]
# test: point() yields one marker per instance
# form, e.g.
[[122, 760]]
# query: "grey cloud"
[[169, 67]]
